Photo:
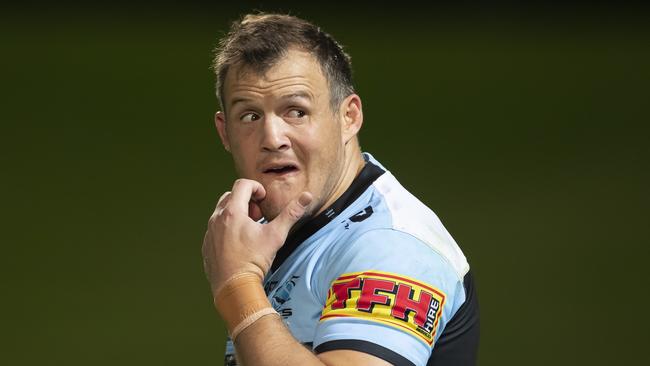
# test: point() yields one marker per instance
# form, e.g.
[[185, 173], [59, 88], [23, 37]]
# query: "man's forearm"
[[260, 336], [268, 342]]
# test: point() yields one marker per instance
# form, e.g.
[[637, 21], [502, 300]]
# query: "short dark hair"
[[258, 41]]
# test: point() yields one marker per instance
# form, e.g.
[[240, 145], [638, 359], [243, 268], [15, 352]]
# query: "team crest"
[[282, 295]]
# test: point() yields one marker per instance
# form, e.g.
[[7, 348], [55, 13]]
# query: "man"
[[318, 256]]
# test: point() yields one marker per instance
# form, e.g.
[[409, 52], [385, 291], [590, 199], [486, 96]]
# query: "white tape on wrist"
[[250, 320]]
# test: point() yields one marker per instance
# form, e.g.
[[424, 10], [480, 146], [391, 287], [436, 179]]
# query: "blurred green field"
[[527, 135]]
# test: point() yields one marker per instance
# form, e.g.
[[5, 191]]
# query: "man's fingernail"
[[305, 199]]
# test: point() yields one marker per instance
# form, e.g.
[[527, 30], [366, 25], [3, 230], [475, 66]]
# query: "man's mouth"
[[281, 169]]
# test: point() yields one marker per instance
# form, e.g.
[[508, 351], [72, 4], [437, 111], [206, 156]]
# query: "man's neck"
[[354, 163]]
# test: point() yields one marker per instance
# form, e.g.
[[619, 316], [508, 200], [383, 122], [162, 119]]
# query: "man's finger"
[[254, 211], [243, 191], [223, 200], [292, 213]]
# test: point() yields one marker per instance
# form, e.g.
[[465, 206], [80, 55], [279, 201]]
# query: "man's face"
[[282, 132]]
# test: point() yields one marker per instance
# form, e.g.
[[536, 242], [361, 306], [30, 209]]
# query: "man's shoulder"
[[386, 219], [407, 217]]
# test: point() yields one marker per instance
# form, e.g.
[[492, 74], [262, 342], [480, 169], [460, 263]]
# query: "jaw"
[[279, 192]]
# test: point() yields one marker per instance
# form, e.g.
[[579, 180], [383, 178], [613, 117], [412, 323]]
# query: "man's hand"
[[236, 243]]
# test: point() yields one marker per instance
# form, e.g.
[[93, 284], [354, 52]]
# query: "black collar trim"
[[366, 177]]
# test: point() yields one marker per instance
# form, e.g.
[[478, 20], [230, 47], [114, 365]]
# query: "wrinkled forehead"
[[294, 67]]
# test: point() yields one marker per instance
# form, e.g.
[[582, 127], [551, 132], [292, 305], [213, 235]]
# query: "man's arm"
[[237, 247], [269, 342]]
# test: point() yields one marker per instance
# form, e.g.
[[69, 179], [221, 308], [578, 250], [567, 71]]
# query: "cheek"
[[325, 164], [326, 139], [243, 142], [244, 159]]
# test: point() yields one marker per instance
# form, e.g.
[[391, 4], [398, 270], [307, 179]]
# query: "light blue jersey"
[[377, 272]]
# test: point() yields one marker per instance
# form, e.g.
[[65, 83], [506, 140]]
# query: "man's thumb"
[[292, 212]]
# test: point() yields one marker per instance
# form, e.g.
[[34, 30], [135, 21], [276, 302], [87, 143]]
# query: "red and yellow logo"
[[398, 301]]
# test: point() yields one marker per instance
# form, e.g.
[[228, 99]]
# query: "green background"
[[526, 130]]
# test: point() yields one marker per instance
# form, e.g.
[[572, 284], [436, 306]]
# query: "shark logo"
[[283, 292]]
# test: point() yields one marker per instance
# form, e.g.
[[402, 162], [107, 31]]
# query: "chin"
[[272, 205], [269, 212]]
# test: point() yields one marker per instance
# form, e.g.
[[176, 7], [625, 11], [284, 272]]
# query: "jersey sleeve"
[[387, 294]]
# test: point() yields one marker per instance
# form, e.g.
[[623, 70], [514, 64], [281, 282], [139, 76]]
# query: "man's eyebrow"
[[292, 95], [298, 94], [238, 100]]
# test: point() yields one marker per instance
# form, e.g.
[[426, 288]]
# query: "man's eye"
[[296, 113], [249, 117]]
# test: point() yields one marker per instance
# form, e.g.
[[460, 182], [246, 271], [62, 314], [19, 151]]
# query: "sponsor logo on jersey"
[[362, 215], [358, 217], [398, 301]]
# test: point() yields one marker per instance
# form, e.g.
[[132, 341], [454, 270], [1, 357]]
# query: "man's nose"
[[274, 137]]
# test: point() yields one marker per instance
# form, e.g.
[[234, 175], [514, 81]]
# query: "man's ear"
[[220, 122], [352, 114]]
